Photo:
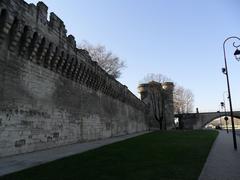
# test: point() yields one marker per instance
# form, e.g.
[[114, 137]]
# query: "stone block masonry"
[[52, 93]]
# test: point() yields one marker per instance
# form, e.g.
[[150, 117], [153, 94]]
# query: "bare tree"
[[156, 103], [156, 99], [155, 77], [112, 64], [183, 98]]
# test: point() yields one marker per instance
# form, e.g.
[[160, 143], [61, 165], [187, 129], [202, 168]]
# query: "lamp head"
[[222, 104], [237, 54], [224, 70]]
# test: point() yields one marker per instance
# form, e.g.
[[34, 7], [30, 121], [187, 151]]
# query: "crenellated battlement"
[[26, 33]]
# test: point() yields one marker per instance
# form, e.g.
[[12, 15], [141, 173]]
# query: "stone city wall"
[[52, 93]]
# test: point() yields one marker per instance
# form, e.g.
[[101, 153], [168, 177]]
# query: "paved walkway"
[[223, 162], [16, 163]]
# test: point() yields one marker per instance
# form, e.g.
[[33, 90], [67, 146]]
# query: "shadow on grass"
[[154, 156]]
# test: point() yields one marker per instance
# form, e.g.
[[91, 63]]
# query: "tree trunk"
[[160, 124]]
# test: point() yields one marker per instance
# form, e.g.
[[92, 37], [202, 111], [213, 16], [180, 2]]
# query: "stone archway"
[[199, 120], [220, 116]]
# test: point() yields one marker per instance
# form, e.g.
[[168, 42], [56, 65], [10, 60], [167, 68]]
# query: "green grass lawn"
[[159, 155]]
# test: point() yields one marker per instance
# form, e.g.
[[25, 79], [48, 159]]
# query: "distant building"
[[159, 99]]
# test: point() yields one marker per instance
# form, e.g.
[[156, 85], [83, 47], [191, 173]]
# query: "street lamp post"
[[226, 119], [225, 71], [224, 103], [225, 113], [220, 117], [224, 100]]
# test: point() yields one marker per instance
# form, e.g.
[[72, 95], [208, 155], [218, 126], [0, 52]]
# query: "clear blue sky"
[[179, 39]]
